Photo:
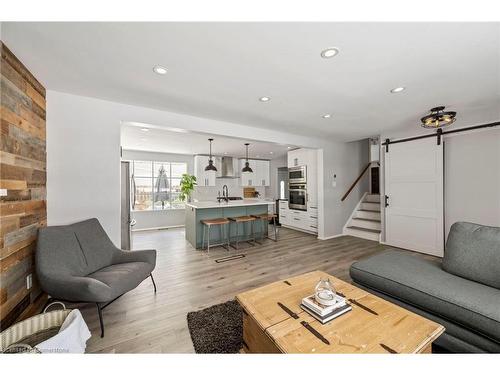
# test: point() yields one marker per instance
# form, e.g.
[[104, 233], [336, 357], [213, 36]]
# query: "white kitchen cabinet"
[[300, 220], [260, 175], [248, 179], [205, 178], [299, 157], [263, 171]]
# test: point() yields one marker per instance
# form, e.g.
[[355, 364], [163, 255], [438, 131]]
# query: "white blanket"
[[72, 336]]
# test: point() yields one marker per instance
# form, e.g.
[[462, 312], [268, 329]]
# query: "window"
[[156, 185]]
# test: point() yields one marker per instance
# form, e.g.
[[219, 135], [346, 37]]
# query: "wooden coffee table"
[[373, 326]]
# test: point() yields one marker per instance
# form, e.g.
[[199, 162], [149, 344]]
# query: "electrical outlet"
[[29, 281]]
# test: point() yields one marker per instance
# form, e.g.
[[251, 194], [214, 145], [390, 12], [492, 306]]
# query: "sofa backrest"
[[473, 252], [77, 249]]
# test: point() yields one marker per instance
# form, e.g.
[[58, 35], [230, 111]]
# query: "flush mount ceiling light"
[[438, 118], [246, 168], [265, 99], [210, 166], [397, 89], [160, 70], [329, 52], [327, 115]]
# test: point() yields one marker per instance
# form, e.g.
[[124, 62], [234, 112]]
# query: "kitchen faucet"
[[225, 193]]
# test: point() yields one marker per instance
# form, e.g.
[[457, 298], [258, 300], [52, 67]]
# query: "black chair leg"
[[153, 280], [99, 311]]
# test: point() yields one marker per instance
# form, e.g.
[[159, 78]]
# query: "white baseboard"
[[330, 237], [157, 228]]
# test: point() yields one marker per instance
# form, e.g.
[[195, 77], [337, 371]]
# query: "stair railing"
[[357, 180]]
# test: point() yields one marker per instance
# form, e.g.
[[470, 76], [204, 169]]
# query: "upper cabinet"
[[205, 178], [260, 175], [263, 171], [298, 157]]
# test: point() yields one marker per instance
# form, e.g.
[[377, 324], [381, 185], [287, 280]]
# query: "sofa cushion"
[[424, 284], [122, 277], [473, 252]]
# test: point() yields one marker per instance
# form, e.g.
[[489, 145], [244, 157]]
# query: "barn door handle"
[[386, 201]]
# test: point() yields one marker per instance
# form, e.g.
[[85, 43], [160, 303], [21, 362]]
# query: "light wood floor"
[[190, 280]]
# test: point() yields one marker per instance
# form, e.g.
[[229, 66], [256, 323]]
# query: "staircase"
[[365, 220]]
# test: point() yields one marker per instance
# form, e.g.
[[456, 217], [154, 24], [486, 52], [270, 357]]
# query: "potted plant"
[[188, 183]]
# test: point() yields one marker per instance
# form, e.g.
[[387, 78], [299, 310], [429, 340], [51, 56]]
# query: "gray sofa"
[[462, 292], [79, 263]]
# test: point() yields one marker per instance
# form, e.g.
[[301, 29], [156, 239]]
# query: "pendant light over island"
[[210, 166], [246, 168]]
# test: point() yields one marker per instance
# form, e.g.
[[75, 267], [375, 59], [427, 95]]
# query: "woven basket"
[[25, 335]]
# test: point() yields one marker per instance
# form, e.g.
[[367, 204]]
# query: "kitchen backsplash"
[[209, 193]]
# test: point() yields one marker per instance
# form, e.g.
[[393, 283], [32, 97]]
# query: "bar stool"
[[208, 224], [264, 220], [242, 219]]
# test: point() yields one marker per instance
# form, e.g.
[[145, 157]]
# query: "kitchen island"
[[197, 211]]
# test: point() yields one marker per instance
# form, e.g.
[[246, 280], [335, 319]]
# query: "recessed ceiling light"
[[265, 99], [160, 69], [225, 153], [271, 152], [289, 147], [145, 129], [329, 52], [327, 115], [397, 89]]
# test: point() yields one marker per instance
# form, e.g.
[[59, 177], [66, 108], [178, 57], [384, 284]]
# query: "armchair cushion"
[[120, 278]]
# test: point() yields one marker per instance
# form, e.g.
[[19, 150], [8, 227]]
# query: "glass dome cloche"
[[325, 292]]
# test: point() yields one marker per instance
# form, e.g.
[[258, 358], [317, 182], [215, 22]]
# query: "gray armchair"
[[79, 263]]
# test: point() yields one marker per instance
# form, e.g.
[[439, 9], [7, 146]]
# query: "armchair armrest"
[[75, 288], [146, 256]]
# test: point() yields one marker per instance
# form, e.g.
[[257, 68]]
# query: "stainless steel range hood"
[[227, 168]]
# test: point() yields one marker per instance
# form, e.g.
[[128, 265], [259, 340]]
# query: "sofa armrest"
[[75, 288], [146, 256]]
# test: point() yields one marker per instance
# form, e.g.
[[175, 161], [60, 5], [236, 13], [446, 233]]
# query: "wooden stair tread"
[[364, 229], [362, 218], [369, 210]]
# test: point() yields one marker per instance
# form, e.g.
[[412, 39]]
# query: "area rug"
[[217, 329]]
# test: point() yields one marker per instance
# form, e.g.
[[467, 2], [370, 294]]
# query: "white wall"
[[472, 178], [347, 161], [159, 218], [83, 153], [83, 162], [272, 191]]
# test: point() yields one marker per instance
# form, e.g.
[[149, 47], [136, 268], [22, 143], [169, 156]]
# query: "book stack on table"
[[325, 313]]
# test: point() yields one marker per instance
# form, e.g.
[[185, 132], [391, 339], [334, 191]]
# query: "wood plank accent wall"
[[23, 176]]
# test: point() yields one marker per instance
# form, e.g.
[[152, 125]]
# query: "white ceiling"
[[219, 70], [177, 142]]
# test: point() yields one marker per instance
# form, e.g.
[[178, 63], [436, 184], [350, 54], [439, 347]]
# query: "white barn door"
[[414, 196]]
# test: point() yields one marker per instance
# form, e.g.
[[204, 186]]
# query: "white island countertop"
[[236, 203]]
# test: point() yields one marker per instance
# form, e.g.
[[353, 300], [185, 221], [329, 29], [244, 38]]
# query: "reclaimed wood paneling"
[[23, 175]]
